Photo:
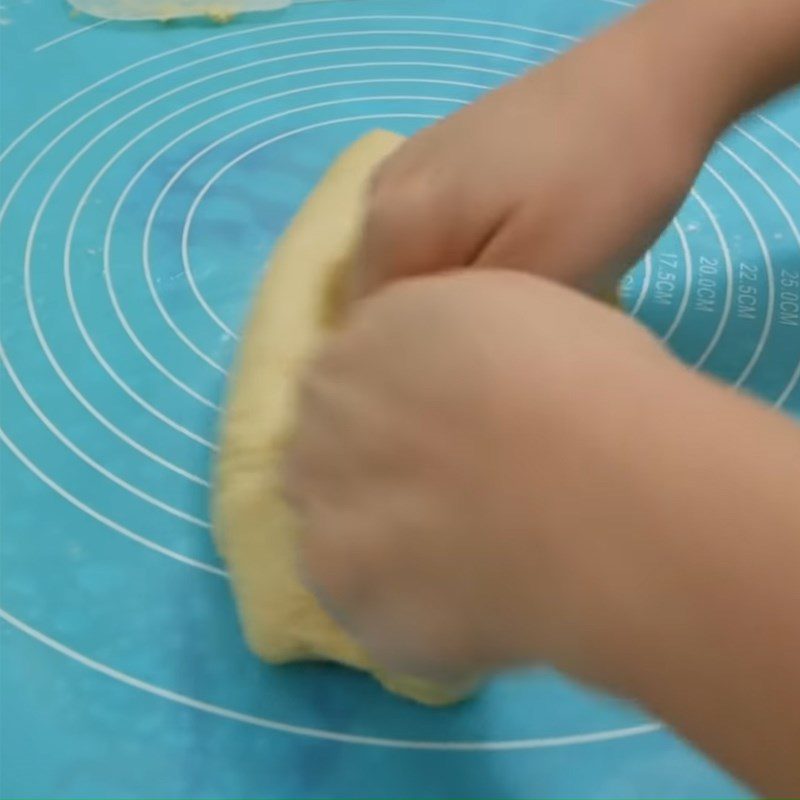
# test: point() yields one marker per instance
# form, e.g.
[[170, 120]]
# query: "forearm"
[[727, 55], [709, 61], [743, 51], [712, 638]]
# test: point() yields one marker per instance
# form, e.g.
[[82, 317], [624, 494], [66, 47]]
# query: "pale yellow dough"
[[255, 530]]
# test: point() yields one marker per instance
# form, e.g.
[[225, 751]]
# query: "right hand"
[[569, 172], [464, 505]]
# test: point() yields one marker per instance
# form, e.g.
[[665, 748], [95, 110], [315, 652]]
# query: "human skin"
[[572, 170], [493, 469]]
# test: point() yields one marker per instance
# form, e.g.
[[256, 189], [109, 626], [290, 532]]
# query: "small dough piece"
[[255, 530], [216, 10]]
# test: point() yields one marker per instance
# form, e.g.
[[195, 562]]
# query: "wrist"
[[711, 617]]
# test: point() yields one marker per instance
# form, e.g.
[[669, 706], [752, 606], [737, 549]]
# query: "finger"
[[399, 239], [335, 564], [318, 464], [419, 221], [310, 469]]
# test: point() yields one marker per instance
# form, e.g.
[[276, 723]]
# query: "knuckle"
[[396, 199]]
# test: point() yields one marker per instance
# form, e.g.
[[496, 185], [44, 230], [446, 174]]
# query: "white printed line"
[[189, 220], [321, 733], [793, 381], [70, 35], [256, 29], [27, 271], [87, 459], [107, 521], [786, 135], [784, 396], [780, 162]]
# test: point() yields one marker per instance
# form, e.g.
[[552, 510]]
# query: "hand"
[[442, 469], [569, 172], [491, 469]]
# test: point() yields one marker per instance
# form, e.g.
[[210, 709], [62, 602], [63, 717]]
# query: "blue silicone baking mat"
[[146, 171]]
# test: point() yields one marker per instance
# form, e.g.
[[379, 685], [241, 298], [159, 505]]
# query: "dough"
[[254, 528], [217, 10]]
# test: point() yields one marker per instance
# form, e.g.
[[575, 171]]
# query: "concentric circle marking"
[[109, 523], [87, 338], [73, 306], [95, 465], [241, 157], [691, 248], [177, 175], [208, 185], [198, 199], [316, 733], [169, 93], [779, 130], [779, 161]]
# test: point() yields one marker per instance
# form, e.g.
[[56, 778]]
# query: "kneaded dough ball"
[[255, 530]]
